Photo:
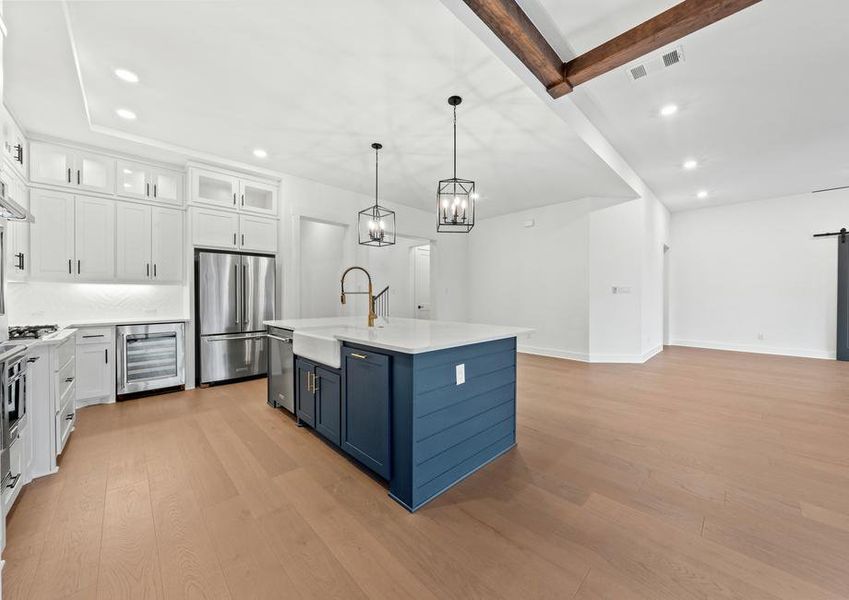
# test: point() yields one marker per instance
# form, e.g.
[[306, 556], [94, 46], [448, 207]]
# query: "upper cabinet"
[[14, 143], [150, 243], [230, 231], [17, 232], [145, 182], [59, 165], [227, 190]]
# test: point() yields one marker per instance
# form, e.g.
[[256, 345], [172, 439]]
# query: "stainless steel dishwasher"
[[281, 369], [150, 357]]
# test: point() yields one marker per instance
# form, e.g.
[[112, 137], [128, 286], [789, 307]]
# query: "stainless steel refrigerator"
[[235, 294]]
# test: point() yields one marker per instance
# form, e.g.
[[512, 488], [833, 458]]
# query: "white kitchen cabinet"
[[52, 235], [149, 243], [229, 190], [219, 189], [138, 180], [95, 238], [16, 470], [95, 365], [17, 232], [73, 237], [257, 234], [80, 169], [258, 197], [215, 228], [14, 143], [133, 233], [167, 244]]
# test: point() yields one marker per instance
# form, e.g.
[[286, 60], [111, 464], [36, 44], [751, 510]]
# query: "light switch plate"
[[461, 374]]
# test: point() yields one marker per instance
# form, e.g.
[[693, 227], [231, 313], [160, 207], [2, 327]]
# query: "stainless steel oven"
[[13, 392], [150, 357]]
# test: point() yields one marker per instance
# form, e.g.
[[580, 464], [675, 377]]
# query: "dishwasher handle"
[[280, 339]]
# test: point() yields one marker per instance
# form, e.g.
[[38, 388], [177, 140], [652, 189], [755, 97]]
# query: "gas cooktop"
[[31, 331]]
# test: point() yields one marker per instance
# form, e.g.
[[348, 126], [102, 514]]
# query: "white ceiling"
[[762, 97], [313, 83]]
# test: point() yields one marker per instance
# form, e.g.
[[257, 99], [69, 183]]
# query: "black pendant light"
[[376, 224], [455, 198]]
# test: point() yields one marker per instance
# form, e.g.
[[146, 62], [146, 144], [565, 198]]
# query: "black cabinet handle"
[[19, 153], [148, 270], [234, 239], [68, 379], [243, 199], [23, 263], [234, 198], [106, 355], [78, 176], [147, 189], [69, 266], [20, 257], [33, 359], [154, 269], [94, 336], [154, 190], [78, 266], [11, 485], [69, 174], [69, 416], [243, 239]]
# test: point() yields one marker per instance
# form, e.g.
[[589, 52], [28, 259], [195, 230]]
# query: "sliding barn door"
[[843, 299]]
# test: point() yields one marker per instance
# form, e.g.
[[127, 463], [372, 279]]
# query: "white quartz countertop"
[[117, 321], [408, 336]]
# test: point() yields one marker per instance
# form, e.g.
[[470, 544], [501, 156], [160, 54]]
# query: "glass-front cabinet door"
[[95, 172], [167, 186], [132, 179], [258, 197], [51, 164], [215, 188]]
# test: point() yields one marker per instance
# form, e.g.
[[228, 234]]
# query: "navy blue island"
[[422, 404]]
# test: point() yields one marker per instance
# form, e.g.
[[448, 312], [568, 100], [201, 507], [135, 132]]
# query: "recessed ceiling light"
[[125, 75], [691, 164], [702, 195], [668, 110], [260, 153], [126, 113]]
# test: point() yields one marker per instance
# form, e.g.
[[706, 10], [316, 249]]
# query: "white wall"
[[534, 276], [45, 303], [743, 270], [308, 200]]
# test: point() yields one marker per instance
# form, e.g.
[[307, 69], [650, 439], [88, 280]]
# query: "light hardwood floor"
[[701, 474]]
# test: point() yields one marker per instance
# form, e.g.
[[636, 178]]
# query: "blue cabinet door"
[[328, 405], [365, 409], [304, 396]]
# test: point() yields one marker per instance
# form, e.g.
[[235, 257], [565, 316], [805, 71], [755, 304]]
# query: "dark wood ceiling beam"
[[516, 31], [666, 28], [513, 27]]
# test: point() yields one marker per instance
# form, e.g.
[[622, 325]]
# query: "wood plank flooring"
[[701, 474]]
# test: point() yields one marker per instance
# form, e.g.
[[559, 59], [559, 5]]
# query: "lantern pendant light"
[[455, 198], [376, 224]]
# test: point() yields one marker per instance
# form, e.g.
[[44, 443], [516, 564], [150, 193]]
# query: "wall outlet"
[[461, 374]]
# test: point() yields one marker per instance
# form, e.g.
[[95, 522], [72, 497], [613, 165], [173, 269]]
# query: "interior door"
[[421, 262], [95, 238], [167, 240], [257, 292], [842, 299], [218, 292], [132, 224]]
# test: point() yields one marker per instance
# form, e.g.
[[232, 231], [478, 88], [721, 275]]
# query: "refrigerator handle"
[[236, 292], [244, 293]]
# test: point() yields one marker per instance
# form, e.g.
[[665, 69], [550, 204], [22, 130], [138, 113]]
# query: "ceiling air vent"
[[639, 72], [655, 63]]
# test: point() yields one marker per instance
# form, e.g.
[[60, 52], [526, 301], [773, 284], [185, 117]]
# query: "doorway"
[[421, 282]]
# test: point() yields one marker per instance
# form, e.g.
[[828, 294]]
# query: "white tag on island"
[[461, 374]]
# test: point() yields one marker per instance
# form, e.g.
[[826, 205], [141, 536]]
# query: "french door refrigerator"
[[235, 294]]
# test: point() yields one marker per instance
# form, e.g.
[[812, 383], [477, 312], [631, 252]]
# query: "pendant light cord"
[[376, 171], [455, 141]]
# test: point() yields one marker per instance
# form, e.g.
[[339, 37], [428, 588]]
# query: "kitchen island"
[[423, 404]]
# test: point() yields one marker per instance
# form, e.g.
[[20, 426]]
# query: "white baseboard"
[[774, 350], [591, 358]]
